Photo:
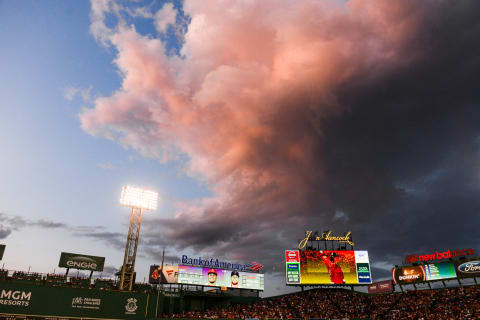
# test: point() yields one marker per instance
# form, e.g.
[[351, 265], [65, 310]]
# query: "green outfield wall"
[[65, 303]]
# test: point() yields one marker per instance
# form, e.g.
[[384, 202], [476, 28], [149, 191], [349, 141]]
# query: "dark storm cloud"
[[406, 157], [11, 223], [401, 163], [361, 119], [4, 232]]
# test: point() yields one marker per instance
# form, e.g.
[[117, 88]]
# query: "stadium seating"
[[79, 282], [105, 284], [451, 303], [26, 277]]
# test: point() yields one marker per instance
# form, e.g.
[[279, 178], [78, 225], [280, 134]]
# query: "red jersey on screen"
[[336, 273]]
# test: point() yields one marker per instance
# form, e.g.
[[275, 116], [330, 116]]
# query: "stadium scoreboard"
[[327, 267]]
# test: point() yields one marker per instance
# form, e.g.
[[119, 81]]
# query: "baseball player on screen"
[[334, 269]]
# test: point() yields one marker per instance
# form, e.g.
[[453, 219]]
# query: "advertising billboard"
[[23, 301], [381, 287], [467, 268], [81, 261], [220, 278], [292, 265], [439, 271], [327, 267], [406, 275], [438, 255], [169, 274], [2, 250]]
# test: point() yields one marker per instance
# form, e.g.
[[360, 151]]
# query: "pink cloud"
[[246, 104]]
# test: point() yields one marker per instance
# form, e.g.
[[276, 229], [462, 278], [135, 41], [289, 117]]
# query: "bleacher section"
[[60, 280], [450, 303]]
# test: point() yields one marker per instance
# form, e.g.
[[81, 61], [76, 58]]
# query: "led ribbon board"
[[335, 267], [167, 274], [439, 271], [220, 278]]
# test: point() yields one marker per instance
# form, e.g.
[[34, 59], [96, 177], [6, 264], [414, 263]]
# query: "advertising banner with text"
[[439, 271], [220, 278], [81, 261], [381, 287], [468, 268], [58, 302], [406, 275]]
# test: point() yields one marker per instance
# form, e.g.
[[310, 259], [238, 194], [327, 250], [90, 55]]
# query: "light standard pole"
[[138, 200]]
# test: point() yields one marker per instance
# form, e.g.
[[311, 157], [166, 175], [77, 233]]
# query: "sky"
[[255, 120]]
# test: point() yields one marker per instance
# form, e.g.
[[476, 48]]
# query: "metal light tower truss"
[[126, 280], [138, 200]]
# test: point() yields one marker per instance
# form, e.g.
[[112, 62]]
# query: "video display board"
[[220, 278], [167, 274], [410, 274], [439, 271], [427, 272], [469, 268], [327, 267]]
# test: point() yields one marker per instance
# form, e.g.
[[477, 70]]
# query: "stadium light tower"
[[138, 200]]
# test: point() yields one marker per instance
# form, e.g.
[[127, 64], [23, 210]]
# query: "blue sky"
[[50, 168]]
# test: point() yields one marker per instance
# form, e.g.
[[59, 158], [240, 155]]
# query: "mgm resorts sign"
[[81, 262], [325, 236]]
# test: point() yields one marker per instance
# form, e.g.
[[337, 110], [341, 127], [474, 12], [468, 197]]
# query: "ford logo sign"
[[469, 267]]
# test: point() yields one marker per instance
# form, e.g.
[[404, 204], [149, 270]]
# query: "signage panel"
[[328, 267], [2, 250], [326, 236], [169, 274], [220, 278], [218, 264], [467, 268], [439, 255], [292, 271], [411, 274], [381, 287], [439, 271], [60, 303], [81, 261]]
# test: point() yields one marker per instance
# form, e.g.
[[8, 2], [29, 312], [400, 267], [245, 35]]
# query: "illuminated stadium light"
[[139, 198]]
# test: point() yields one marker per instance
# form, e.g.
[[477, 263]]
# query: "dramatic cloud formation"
[[11, 223], [357, 116]]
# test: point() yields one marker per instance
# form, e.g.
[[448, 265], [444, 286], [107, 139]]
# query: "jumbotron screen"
[[220, 278], [326, 267]]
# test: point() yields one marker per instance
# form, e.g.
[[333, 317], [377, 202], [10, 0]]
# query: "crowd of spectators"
[[451, 303], [61, 280]]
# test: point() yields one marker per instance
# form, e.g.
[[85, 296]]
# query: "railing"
[[60, 280]]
